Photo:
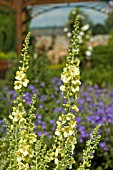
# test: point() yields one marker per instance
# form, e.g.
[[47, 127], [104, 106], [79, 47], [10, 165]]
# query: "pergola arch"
[[92, 6]]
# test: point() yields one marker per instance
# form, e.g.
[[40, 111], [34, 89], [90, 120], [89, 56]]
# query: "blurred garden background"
[[51, 26]]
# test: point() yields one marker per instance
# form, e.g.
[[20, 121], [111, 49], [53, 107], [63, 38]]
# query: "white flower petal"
[[85, 27]]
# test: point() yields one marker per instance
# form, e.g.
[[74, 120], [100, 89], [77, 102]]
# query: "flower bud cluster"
[[91, 146], [21, 78]]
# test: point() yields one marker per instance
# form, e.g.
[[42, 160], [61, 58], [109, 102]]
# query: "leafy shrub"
[[102, 55], [7, 30], [101, 70], [109, 23], [56, 69], [39, 65], [99, 29], [111, 38]]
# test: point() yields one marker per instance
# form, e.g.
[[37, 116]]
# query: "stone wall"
[[56, 47]]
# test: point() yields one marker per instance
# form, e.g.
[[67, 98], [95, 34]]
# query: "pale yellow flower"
[[65, 69], [32, 137], [70, 116], [56, 152], [75, 108], [76, 82], [16, 116], [22, 140], [10, 116], [19, 158], [57, 133], [17, 85], [24, 150], [68, 131], [75, 89], [62, 118], [20, 75], [66, 77], [25, 82], [62, 88], [56, 161], [72, 124], [74, 71], [22, 121]]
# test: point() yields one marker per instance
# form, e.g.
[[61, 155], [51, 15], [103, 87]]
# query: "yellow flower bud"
[[71, 62], [70, 94], [67, 105], [62, 154]]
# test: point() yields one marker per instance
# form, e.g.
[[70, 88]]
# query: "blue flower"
[[103, 146]]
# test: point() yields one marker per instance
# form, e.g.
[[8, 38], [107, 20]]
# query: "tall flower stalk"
[[20, 131], [25, 152], [66, 125]]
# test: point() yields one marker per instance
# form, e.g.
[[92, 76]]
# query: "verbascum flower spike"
[[65, 134], [21, 133], [71, 73]]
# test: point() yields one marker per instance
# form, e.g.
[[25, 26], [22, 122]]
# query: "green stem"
[[36, 163], [16, 142]]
